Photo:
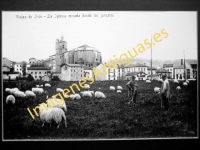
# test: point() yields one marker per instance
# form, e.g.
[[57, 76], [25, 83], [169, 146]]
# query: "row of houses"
[[74, 72]]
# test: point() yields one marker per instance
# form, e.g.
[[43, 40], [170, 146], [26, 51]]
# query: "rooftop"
[[167, 65], [134, 73], [162, 70], [153, 68], [85, 47], [38, 68], [180, 67]]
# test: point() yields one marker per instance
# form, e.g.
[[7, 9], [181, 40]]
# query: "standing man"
[[165, 92], [132, 90]]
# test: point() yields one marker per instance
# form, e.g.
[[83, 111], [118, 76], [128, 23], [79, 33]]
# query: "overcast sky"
[[35, 37]]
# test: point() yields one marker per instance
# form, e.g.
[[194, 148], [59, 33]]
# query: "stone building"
[[85, 55], [38, 72], [72, 72]]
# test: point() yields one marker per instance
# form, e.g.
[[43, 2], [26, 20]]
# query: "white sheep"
[[59, 90], [157, 90], [112, 88], [38, 90], [148, 81], [30, 94], [86, 94], [13, 90], [37, 85], [99, 94], [47, 85], [7, 90], [86, 86], [58, 103], [75, 96], [178, 88], [41, 85], [185, 83], [119, 88], [19, 94], [10, 98], [52, 114], [119, 91], [176, 81]]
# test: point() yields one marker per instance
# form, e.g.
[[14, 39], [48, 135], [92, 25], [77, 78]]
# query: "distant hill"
[[159, 63]]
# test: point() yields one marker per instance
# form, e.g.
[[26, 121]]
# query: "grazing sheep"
[[157, 90], [176, 81], [38, 90], [185, 83], [99, 94], [119, 88], [30, 94], [178, 88], [19, 94], [59, 90], [99, 88], [13, 90], [75, 96], [47, 85], [87, 94], [10, 98], [112, 88], [148, 81], [41, 85], [119, 91], [58, 103], [7, 90], [49, 114], [87, 86], [37, 85]]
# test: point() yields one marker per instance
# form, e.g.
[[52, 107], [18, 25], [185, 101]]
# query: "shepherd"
[[132, 91], [165, 92]]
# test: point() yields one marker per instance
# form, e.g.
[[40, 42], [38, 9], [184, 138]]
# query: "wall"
[[36, 73]]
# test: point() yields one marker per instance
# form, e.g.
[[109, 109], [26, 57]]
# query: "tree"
[[24, 63], [30, 78]]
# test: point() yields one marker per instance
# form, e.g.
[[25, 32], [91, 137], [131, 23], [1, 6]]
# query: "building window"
[[96, 59], [35, 76], [144, 69], [39, 72], [35, 72], [17, 69], [44, 72]]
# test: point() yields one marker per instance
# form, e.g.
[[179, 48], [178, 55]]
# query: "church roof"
[[86, 47]]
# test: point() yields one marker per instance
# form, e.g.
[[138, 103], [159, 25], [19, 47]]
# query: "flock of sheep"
[[178, 88], [57, 112], [54, 111]]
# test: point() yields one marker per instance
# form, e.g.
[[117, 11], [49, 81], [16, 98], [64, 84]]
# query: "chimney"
[[181, 61]]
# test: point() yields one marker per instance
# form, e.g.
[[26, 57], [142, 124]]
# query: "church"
[[84, 56]]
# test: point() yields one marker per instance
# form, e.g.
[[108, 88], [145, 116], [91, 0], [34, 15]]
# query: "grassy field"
[[108, 118]]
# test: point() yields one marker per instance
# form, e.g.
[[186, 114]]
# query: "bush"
[[55, 78], [30, 78]]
